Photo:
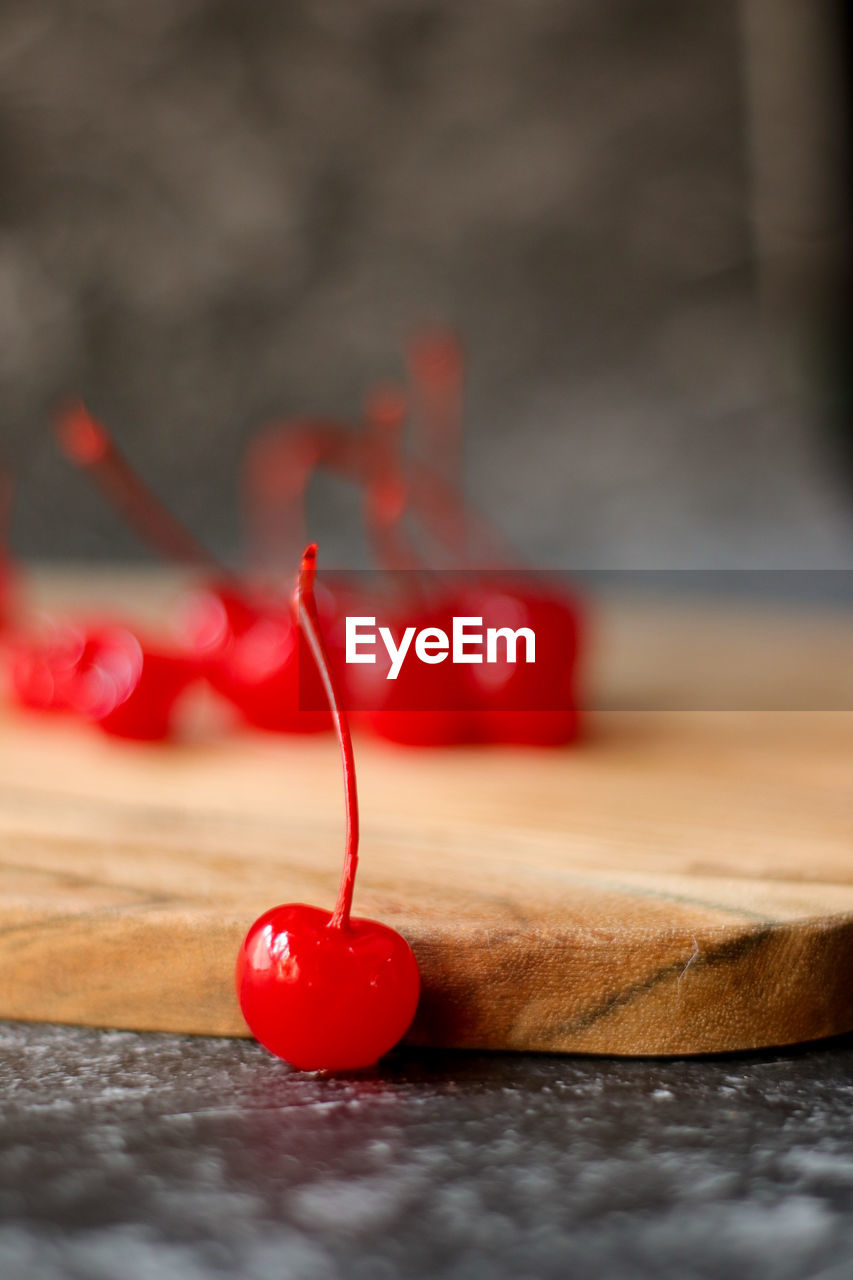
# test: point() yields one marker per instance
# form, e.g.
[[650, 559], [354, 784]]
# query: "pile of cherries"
[[238, 633]]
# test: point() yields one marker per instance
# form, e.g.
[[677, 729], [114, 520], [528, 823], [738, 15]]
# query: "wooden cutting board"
[[681, 882]]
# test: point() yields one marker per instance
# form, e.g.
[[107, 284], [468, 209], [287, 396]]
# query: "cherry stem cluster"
[[309, 621], [283, 458], [279, 466], [437, 370], [385, 415]]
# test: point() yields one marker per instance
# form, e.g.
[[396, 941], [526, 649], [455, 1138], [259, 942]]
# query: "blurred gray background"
[[634, 211]]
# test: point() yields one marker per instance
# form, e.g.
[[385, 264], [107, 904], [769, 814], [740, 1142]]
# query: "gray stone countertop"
[[175, 1157]]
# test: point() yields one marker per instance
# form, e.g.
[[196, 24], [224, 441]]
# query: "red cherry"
[[249, 651], [127, 687], [520, 703], [106, 674], [498, 702], [42, 668], [327, 991], [425, 705], [245, 647], [421, 706], [326, 998]]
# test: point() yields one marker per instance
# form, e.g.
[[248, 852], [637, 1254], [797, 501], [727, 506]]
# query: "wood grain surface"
[[679, 883]]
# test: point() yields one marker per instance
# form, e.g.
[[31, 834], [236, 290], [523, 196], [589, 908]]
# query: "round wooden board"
[[678, 884]]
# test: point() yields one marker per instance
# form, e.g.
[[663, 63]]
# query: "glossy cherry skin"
[[249, 649], [106, 674], [326, 997], [519, 703], [400, 717], [42, 668], [127, 686], [425, 705]]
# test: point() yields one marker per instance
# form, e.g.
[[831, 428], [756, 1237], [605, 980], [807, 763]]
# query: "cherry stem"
[[437, 370], [279, 465], [391, 491], [283, 458], [89, 445], [309, 621], [457, 524], [384, 416], [436, 363]]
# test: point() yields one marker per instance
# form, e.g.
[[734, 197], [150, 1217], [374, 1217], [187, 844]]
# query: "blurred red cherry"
[[522, 703], [42, 667], [425, 705], [250, 651], [128, 687], [107, 674]]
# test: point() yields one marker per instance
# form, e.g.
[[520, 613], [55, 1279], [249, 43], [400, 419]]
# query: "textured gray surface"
[[146, 1156], [211, 213]]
